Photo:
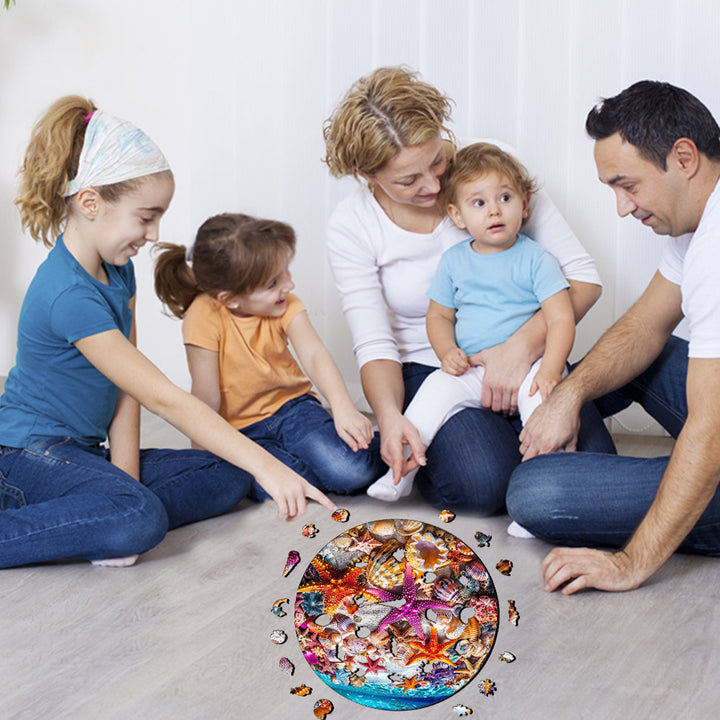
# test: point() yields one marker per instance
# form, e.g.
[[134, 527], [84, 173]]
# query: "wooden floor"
[[185, 634]]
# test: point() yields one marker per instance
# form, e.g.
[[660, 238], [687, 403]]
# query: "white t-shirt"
[[692, 261], [382, 272]]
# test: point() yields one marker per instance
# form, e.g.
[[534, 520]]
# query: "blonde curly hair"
[[381, 113]]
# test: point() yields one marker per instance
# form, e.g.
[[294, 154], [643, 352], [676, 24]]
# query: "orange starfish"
[[433, 651], [334, 583], [411, 683]]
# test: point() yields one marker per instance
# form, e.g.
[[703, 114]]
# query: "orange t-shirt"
[[258, 373]]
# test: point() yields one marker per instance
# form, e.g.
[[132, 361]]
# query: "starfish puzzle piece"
[[413, 606], [432, 651], [372, 666], [364, 543], [336, 584], [410, 683]]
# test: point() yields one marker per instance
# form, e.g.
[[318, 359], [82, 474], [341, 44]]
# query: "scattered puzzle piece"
[[487, 687], [293, 559], [277, 608], [341, 515], [483, 540], [505, 566], [278, 637], [322, 708], [301, 690], [462, 710], [286, 665], [309, 530], [447, 516], [507, 657], [513, 614]]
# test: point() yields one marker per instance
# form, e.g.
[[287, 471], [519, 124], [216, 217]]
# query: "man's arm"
[[687, 486], [621, 354]]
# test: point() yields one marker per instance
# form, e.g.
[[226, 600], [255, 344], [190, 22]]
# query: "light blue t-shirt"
[[53, 391], [495, 294]]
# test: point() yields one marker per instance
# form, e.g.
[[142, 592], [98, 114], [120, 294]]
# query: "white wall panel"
[[236, 94]]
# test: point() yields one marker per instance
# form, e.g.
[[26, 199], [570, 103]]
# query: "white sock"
[[385, 489], [518, 531], [116, 562]]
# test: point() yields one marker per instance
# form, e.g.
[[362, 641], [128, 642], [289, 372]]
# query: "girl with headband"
[[101, 186], [390, 131]]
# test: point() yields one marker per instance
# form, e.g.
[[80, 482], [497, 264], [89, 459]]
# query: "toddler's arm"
[[560, 319], [205, 377], [440, 324], [351, 425]]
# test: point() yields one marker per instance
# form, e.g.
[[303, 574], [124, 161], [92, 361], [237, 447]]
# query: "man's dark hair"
[[651, 116]]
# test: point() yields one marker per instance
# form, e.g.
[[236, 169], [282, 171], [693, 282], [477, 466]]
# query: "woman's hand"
[[353, 427], [290, 491], [505, 369], [400, 447]]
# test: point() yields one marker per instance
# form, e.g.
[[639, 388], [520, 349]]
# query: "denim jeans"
[[577, 499], [60, 499], [470, 461], [302, 435]]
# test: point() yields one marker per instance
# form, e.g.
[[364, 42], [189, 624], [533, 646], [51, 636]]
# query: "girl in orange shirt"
[[239, 313]]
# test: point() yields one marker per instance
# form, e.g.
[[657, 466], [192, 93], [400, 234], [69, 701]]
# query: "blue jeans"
[[598, 499], [470, 461], [60, 499], [302, 435]]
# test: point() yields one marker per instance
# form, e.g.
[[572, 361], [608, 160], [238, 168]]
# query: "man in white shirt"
[[658, 148]]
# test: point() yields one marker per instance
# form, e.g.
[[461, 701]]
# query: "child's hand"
[[455, 362], [290, 491], [545, 382], [353, 427]]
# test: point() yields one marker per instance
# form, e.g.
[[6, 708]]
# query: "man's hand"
[[553, 426], [574, 569]]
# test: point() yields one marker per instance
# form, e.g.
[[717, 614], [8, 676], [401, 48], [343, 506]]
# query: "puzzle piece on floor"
[[293, 559], [286, 665], [483, 540], [278, 636], [309, 530], [487, 687], [277, 608], [513, 614], [341, 515], [507, 657], [447, 516], [462, 710], [505, 567], [322, 708], [301, 690]]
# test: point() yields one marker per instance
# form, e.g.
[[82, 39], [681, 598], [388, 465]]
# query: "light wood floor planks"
[[184, 635]]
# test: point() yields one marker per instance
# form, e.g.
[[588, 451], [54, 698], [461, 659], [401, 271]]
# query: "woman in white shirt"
[[385, 240]]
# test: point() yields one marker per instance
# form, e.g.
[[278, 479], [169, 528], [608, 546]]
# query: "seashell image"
[[341, 515], [278, 637], [507, 657], [426, 552], [505, 566], [286, 665], [356, 680], [385, 570], [447, 516], [383, 528], [301, 690], [477, 571], [447, 590], [322, 708], [293, 559], [410, 527]]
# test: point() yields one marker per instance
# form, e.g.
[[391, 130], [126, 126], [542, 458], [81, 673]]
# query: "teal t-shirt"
[[53, 391], [495, 294]]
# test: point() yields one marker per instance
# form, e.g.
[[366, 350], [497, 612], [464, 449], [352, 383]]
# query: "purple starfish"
[[413, 606]]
